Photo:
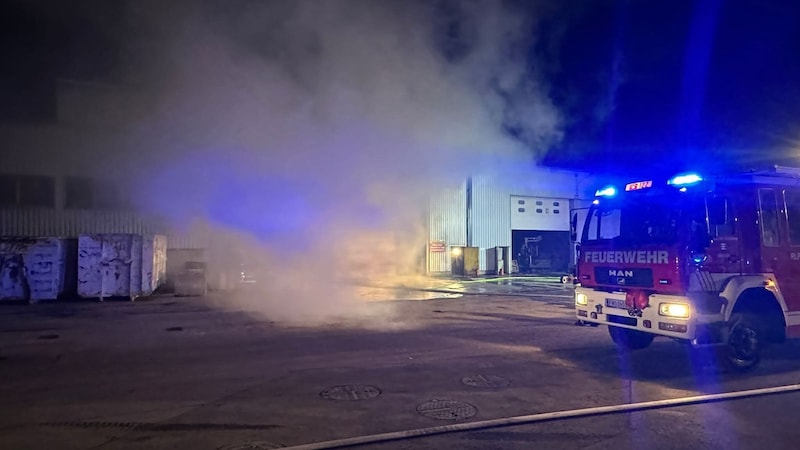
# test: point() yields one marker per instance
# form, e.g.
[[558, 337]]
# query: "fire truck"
[[712, 261]]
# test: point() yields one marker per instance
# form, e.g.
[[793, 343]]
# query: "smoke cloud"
[[307, 136]]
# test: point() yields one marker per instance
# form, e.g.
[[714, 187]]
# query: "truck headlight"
[[680, 310], [581, 299]]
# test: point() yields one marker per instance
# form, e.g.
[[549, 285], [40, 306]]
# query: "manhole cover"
[[47, 337], [93, 425], [485, 381], [446, 410], [252, 446], [351, 392]]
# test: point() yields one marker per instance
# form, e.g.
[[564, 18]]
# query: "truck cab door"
[[725, 249]]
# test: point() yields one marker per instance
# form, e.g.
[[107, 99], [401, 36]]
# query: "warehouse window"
[[89, 193], [521, 209], [556, 204], [8, 190], [539, 203], [27, 190], [107, 196], [556, 211], [520, 202], [78, 193], [36, 191], [539, 210]]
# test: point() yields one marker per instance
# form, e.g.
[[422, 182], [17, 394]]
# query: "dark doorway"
[[541, 252]]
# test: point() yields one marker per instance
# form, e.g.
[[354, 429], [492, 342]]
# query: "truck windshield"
[[645, 219]]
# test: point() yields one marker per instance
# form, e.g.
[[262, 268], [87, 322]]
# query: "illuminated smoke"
[[308, 134]]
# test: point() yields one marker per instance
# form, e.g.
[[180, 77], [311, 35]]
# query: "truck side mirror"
[[573, 227]]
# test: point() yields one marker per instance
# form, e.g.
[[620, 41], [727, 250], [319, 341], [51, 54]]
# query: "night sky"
[[680, 81], [676, 83]]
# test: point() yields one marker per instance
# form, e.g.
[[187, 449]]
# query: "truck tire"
[[745, 342], [630, 339]]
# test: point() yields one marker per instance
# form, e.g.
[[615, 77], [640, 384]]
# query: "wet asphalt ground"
[[200, 373]]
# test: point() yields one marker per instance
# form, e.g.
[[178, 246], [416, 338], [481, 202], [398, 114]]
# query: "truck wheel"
[[745, 340], [630, 339]]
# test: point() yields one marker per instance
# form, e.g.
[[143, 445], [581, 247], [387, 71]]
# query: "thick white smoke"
[[311, 133]]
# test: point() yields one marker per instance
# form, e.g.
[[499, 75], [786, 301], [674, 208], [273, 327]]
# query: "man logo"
[[620, 273]]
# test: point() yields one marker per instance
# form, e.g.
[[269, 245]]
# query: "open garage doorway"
[[540, 236], [541, 252]]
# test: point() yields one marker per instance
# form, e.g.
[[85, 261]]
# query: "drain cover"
[[252, 446], [351, 392], [446, 410], [487, 381], [47, 337]]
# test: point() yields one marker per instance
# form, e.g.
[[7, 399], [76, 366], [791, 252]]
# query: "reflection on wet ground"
[[424, 288], [380, 294]]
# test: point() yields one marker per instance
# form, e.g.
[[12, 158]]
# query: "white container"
[[154, 262], [32, 269], [120, 265]]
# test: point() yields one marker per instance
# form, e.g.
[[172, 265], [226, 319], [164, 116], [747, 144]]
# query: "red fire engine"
[[714, 262]]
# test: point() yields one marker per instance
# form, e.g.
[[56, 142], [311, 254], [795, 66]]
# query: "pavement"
[[525, 286], [203, 373]]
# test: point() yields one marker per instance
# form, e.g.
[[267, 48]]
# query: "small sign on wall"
[[438, 246]]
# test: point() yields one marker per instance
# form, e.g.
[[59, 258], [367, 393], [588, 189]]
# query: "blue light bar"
[[608, 191], [685, 179]]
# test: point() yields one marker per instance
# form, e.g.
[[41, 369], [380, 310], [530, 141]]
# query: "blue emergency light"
[[608, 191], [685, 179]]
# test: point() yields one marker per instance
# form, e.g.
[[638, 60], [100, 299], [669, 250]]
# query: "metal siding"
[[187, 239], [447, 221], [72, 223], [491, 220], [492, 209], [69, 223]]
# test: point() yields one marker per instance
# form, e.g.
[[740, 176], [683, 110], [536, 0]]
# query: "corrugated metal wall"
[[447, 221], [491, 216], [491, 201], [72, 223], [50, 222], [192, 238]]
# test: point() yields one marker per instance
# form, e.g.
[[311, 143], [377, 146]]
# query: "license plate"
[[616, 303]]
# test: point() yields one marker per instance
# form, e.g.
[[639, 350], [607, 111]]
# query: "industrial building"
[[514, 223], [58, 177]]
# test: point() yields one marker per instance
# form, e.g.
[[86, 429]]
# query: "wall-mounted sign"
[[438, 246]]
